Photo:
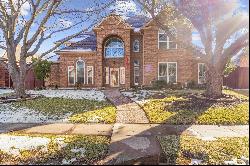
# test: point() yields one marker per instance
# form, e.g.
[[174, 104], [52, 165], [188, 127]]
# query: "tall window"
[[114, 48], [136, 72], [107, 75], [90, 75], [201, 73], [80, 70], [71, 75], [167, 41], [167, 71], [136, 46]]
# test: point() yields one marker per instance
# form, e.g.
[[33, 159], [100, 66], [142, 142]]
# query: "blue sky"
[[121, 8]]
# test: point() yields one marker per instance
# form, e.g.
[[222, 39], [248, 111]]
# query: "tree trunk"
[[20, 89], [214, 79]]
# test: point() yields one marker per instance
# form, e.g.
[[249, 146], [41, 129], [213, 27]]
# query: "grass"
[[181, 149], [95, 148], [81, 110], [193, 108]]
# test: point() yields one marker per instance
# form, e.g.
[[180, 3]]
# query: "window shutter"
[[122, 75]]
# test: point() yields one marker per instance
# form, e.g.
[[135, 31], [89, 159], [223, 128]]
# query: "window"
[[167, 71], [106, 75], [136, 72], [90, 75], [122, 75], [136, 46], [114, 48], [71, 75], [165, 41], [80, 70], [201, 73]]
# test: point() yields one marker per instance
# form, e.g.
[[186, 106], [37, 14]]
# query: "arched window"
[[136, 46], [114, 48], [80, 72]]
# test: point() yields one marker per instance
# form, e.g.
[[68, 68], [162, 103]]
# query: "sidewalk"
[[131, 143], [128, 129]]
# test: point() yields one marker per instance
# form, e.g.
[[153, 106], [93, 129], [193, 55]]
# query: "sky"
[[120, 7]]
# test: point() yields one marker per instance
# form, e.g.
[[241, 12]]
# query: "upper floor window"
[[114, 48], [136, 46], [167, 41]]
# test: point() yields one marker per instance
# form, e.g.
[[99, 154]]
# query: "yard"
[[52, 149], [192, 107], [182, 150], [77, 106]]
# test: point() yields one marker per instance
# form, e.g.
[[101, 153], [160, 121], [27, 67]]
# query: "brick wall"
[[54, 77], [109, 27], [4, 77], [187, 63], [70, 59], [137, 56]]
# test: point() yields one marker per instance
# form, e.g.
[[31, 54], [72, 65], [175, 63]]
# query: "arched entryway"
[[114, 70]]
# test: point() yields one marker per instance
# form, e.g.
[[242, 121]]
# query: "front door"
[[114, 77]]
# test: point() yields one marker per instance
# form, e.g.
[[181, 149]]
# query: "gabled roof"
[[87, 44], [116, 16], [137, 22]]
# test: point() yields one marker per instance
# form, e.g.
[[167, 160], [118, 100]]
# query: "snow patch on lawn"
[[10, 114], [14, 144], [3, 91], [72, 94]]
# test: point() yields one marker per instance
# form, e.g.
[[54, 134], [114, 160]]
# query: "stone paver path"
[[127, 110]]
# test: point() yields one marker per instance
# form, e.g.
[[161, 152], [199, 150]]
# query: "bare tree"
[[30, 23], [223, 29]]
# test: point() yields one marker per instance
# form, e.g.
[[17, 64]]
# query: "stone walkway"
[[127, 110]]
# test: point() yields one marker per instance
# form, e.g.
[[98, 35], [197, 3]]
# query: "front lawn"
[[75, 110], [194, 108], [52, 149], [181, 149]]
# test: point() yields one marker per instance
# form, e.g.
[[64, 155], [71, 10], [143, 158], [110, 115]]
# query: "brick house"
[[127, 53], [4, 75]]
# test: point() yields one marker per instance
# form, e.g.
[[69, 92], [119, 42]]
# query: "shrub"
[[194, 85], [78, 85], [159, 84]]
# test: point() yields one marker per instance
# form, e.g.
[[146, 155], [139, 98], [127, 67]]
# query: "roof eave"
[[74, 51]]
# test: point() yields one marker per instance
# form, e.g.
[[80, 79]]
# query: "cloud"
[[65, 23], [25, 8], [124, 7]]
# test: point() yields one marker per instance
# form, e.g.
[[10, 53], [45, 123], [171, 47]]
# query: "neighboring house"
[[126, 53], [239, 78], [5, 80], [4, 75]]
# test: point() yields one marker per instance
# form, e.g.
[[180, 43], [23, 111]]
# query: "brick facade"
[[149, 55], [4, 77]]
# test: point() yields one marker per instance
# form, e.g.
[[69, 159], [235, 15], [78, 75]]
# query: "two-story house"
[[126, 53]]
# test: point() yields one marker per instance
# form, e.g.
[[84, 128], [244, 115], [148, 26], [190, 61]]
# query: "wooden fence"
[[238, 79]]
